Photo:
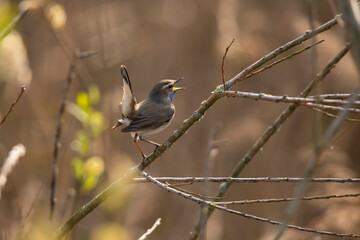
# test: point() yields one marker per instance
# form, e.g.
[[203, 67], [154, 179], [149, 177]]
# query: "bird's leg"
[[137, 144], [151, 142]]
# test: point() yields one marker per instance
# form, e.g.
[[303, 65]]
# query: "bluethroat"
[[150, 116]]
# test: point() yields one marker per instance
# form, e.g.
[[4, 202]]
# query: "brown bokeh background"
[[170, 39]]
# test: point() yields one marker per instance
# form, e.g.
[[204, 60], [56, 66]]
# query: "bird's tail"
[[126, 78], [128, 99]]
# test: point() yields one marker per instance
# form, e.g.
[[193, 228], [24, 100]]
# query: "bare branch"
[[213, 205], [282, 59], [273, 200], [334, 96], [13, 105], [211, 153], [77, 54], [246, 180], [310, 102], [335, 116], [150, 230], [223, 62], [287, 99]]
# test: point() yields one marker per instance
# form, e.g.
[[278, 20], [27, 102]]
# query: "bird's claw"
[[156, 147]]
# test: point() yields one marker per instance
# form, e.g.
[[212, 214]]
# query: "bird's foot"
[[144, 157], [156, 147]]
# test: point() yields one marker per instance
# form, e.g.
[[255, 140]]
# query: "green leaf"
[[96, 123], [8, 18], [78, 167], [89, 183], [82, 143], [83, 101], [78, 113], [94, 95], [94, 166]]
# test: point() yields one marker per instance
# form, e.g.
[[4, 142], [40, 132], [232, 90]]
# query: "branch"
[[13, 105], [334, 96], [59, 122], [270, 132], [223, 62], [225, 209], [211, 153], [335, 116], [187, 123], [246, 180], [312, 103], [150, 230], [282, 59], [58, 135], [272, 200], [286, 99]]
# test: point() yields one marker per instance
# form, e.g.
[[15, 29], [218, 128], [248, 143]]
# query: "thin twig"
[[211, 153], [282, 59], [223, 62], [214, 205], [13, 105], [76, 55], [176, 186], [245, 180], [273, 200], [335, 116], [332, 108], [334, 96], [150, 230], [187, 123], [59, 123], [272, 129]]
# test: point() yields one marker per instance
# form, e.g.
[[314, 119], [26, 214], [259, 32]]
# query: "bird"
[[152, 115]]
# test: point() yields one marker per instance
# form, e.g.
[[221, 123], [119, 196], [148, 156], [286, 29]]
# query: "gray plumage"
[[150, 116]]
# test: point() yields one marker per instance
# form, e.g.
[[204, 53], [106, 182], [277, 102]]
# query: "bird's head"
[[165, 88]]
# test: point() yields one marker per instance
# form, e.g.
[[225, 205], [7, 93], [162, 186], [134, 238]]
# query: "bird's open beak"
[[178, 88], [116, 125]]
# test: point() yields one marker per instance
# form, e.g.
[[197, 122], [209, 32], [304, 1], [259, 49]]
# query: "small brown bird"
[[150, 116]]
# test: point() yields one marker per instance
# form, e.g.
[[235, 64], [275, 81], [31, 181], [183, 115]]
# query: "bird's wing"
[[149, 119], [128, 99]]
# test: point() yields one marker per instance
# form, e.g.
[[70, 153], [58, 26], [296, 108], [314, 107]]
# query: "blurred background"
[[156, 40]]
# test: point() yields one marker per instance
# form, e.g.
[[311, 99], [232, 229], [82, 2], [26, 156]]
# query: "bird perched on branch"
[[150, 116]]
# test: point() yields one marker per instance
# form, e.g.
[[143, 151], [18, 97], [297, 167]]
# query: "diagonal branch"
[[13, 105], [150, 230]]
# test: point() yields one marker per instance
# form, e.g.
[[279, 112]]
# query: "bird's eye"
[[170, 86]]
